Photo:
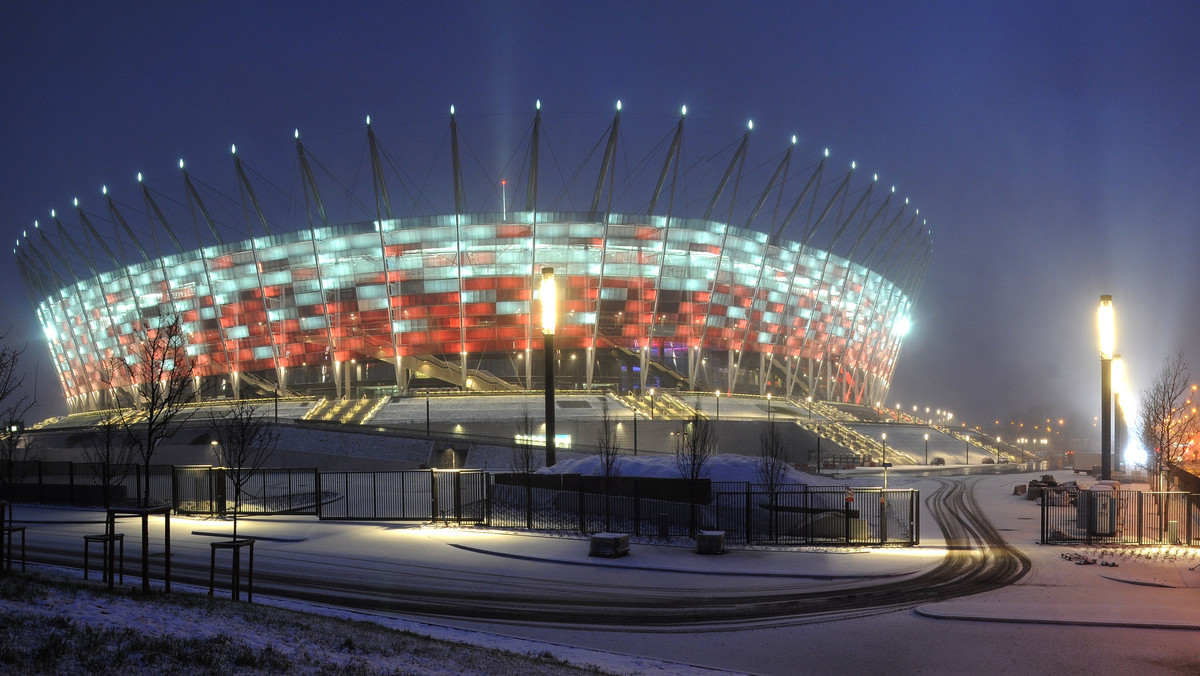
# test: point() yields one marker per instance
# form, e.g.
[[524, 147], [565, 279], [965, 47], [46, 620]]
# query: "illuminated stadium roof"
[[386, 304]]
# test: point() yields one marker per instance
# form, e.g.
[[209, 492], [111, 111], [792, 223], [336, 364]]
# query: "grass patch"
[[44, 631]]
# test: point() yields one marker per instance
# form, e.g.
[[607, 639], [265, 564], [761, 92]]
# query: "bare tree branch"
[[159, 372], [1167, 419], [245, 441]]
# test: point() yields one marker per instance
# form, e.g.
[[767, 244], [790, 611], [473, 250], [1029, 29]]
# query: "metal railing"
[[1070, 516], [749, 513]]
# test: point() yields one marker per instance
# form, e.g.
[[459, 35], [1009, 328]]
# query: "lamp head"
[[549, 301], [1107, 330]]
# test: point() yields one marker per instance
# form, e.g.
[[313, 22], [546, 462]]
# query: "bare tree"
[[525, 460], [524, 456], [694, 445], [15, 444], [245, 441], [108, 453], [159, 371], [1167, 418], [610, 449], [772, 469], [610, 454]]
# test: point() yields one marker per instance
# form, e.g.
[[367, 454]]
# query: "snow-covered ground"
[[1060, 618]]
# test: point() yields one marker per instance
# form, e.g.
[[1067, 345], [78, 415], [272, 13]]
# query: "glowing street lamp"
[[549, 297], [1107, 340], [717, 394], [926, 448]]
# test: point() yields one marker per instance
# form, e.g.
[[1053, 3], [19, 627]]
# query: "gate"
[[1118, 517], [818, 515], [405, 495]]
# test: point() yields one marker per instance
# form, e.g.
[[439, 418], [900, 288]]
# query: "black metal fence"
[[819, 515], [78, 483], [796, 515], [1070, 516]]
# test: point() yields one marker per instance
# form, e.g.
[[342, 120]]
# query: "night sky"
[[1053, 147]]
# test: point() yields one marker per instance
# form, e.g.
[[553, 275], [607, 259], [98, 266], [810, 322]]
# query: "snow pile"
[[718, 468]]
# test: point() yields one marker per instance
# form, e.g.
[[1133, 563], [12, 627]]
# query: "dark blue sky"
[[1053, 147]]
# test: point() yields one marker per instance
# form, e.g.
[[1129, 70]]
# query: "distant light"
[[181, 163], [906, 200], [103, 190], [76, 201], [139, 177], [297, 133], [52, 213], [793, 139], [893, 188], [683, 111], [539, 104], [233, 149], [827, 152], [876, 178], [853, 165], [618, 105], [35, 224], [750, 124], [902, 326], [451, 109], [918, 212], [503, 182], [368, 120]]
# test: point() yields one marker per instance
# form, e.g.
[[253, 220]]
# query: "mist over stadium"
[[725, 262]]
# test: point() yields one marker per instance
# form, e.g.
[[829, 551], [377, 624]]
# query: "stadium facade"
[[392, 304]]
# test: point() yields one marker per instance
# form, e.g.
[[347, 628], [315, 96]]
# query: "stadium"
[[785, 278]]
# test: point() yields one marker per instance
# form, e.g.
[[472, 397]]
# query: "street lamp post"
[[549, 299], [652, 403], [886, 465], [926, 448], [809, 400], [768, 408], [1105, 321], [819, 449], [717, 394]]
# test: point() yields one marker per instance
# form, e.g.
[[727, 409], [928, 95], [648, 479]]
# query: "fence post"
[[433, 494], [749, 500], [582, 510], [458, 497], [1042, 499], [1141, 507], [317, 497], [528, 500], [637, 505], [882, 517]]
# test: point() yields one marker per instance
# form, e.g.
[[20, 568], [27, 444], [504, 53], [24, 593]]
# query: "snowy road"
[[748, 611]]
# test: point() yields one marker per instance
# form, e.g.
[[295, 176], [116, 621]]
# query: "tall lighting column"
[[1105, 317], [549, 300]]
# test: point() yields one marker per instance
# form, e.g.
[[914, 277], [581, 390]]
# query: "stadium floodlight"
[[1107, 333]]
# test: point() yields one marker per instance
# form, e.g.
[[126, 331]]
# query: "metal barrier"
[[795, 515], [820, 515], [1070, 516], [405, 495]]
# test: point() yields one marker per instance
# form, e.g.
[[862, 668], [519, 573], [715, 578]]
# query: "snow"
[[1058, 617], [718, 468]]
